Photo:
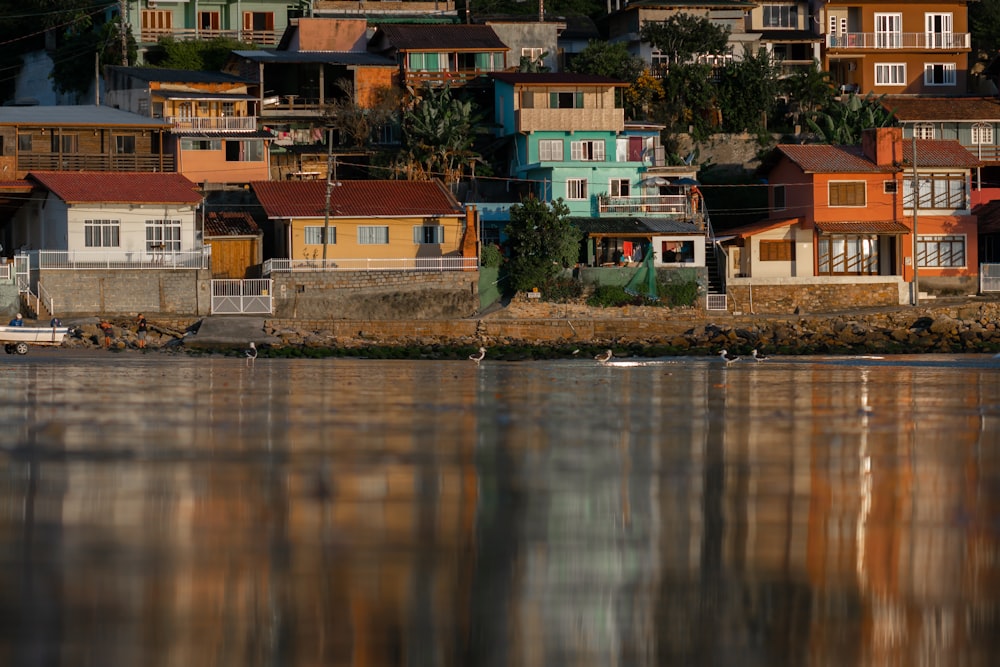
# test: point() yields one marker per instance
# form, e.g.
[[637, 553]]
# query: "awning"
[[199, 96], [863, 227]]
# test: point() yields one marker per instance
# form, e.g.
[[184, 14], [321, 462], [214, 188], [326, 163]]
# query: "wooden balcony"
[[93, 162], [949, 41], [452, 77], [212, 123], [258, 37], [407, 7], [579, 120]]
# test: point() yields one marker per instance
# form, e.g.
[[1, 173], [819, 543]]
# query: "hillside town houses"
[[192, 192]]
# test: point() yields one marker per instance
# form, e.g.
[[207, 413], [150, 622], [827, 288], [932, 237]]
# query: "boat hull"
[[33, 335]]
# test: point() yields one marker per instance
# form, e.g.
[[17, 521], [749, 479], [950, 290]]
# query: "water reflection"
[[175, 511]]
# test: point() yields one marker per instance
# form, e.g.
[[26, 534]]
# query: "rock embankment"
[[971, 325]]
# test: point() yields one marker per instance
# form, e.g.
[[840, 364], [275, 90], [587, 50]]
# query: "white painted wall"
[[699, 250]]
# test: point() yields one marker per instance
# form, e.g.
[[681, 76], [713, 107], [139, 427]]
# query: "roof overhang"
[[863, 227]]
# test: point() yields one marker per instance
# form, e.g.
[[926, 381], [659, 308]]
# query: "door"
[[939, 31]]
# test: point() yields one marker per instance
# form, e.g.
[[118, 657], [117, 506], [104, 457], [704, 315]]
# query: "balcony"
[[213, 123], [949, 41], [94, 162], [579, 120], [670, 205], [460, 77], [406, 7], [258, 37]]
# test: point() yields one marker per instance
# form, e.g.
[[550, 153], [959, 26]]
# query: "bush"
[[490, 256], [561, 289], [609, 296], [676, 294]]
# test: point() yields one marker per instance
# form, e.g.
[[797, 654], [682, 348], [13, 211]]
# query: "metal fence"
[[107, 259], [241, 297], [716, 302], [989, 278], [6, 273], [411, 264]]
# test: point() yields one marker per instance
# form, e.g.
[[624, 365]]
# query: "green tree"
[[356, 123], [843, 122], [208, 55], [73, 60], [438, 133], [610, 60], [682, 36], [984, 24], [689, 99], [746, 93], [542, 242], [809, 90]]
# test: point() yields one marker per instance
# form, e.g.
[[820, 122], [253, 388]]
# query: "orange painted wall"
[[369, 80], [211, 166]]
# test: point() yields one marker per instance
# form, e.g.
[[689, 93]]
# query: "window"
[[244, 151], [427, 62], [938, 31], [101, 233], [532, 54], [163, 236], [124, 144], [890, 187], [576, 188], [779, 198], [258, 21], [565, 100], [65, 143], [888, 31], [143, 107], [314, 235], [939, 74], [201, 144], [890, 74], [982, 134], [937, 191], [781, 16], [208, 20], [373, 235], [620, 187], [24, 143], [923, 130], [389, 133], [941, 251], [591, 151], [428, 234], [228, 109], [847, 193], [550, 150], [847, 255], [777, 251]]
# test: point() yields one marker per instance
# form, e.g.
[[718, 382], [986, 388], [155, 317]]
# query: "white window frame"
[[163, 235], [550, 150], [533, 53], [780, 16], [428, 234], [954, 247], [587, 151], [924, 130], [620, 187], [373, 235], [949, 74], [890, 74], [939, 37], [102, 233], [982, 134], [888, 30], [576, 189], [313, 235]]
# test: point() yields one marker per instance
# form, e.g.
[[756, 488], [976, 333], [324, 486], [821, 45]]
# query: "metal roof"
[[555, 78], [75, 115], [199, 95], [176, 75], [328, 57]]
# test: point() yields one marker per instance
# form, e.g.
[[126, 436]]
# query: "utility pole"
[[916, 204], [331, 169], [122, 28]]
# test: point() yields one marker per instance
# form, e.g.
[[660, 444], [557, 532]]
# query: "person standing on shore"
[[108, 332], [140, 330]]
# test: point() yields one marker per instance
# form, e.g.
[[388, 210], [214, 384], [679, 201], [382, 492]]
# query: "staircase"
[[715, 283]]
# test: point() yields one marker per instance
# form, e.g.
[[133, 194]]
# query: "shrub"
[[679, 293], [561, 289], [606, 296], [490, 256]]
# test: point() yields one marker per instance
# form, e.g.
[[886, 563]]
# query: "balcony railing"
[[94, 162], [580, 120], [124, 259], [210, 123], [259, 37], [899, 40], [451, 77], [674, 205], [437, 264]]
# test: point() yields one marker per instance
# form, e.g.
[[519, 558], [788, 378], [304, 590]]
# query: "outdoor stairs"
[[715, 283]]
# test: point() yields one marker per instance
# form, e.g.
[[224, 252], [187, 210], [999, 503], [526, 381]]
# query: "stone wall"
[[107, 292], [784, 299], [376, 295]]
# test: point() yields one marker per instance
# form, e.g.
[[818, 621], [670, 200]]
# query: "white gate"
[[22, 273], [241, 297], [989, 278]]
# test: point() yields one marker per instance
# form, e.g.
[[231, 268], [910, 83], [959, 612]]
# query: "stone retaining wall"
[[82, 292], [785, 299]]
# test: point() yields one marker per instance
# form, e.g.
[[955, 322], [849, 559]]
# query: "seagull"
[[604, 357], [759, 357], [478, 356], [251, 353], [728, 358]]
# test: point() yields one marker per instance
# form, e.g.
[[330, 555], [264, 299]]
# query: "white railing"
[[251, 296], [410, 264], [6, 273], [899, 40], [220, 123], [107, 259], [44, 299], [659, 204], [989, 278]]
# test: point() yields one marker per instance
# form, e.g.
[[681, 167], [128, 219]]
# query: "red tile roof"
[[958, 109], [863, 227], [822, 158], [307, 199], [230, 223], [939, 153], [749, 229], [118, 187]]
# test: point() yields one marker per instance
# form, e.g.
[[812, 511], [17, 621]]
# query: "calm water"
[[170, 511]]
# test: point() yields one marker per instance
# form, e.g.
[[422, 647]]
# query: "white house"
[[125, 217]]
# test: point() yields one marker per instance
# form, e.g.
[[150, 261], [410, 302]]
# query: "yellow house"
[[366, 221]]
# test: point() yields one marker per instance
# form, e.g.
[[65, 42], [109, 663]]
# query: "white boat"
[[17, 339]]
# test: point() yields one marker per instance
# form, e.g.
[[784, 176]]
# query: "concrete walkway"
[[229, 330]]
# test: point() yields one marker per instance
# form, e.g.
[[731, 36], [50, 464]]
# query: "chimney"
[[883, 145]]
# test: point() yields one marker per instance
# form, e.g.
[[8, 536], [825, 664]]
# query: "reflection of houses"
[[841, 221], [438, 55], [900, 47], [212, 118], [80, 138]]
